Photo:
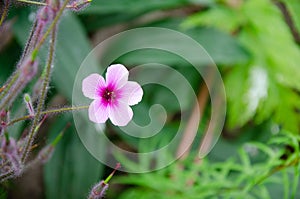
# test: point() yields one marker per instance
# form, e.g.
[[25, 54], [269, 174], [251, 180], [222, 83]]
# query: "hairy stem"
[[48, 112], [9, 84], [4, 13], [33, 2], [49, 30], [42, 97], [28, 44], [15, 90], [15, 76], [41, 3], [6, 175]]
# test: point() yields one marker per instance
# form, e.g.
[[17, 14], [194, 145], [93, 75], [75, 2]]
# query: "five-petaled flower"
[[113, 97]]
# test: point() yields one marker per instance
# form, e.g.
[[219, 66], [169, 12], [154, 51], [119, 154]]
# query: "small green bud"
[[27, 98]]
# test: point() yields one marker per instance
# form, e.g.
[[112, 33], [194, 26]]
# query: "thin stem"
[[6, 175], [9, 84], [38, 31], [27, 46], [42, 3], [33, 2], [51, 27], [13, 94], [5, 10], [42, 96], [277, 169], [47, 112], [15, 76]]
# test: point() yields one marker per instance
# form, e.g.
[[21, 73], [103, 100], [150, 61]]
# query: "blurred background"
[[255, 45]]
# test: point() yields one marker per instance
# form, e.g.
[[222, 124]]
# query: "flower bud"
[[28, 102], [99, 190]]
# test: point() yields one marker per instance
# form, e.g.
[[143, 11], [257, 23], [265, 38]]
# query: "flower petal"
[[120, 114], [98, 112], [91, 84], [116, 76], [131, 93]]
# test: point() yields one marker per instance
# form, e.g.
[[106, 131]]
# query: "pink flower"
[[113, 97]]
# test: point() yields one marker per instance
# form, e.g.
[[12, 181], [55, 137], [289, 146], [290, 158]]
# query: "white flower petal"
[[91, 84], [116, 76], [98, 112], [120, 114], [131, 93]]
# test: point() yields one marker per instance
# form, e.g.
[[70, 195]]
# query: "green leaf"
[[71, 171], [222, 48], [215, 17], [131, 6]]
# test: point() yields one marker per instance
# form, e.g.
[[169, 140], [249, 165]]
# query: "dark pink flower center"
[[108, 95]]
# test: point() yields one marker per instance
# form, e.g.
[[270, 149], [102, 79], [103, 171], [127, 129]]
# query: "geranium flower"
[[113, 97]]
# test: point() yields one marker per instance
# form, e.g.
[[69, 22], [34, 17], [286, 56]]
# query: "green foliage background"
[[246, 39]]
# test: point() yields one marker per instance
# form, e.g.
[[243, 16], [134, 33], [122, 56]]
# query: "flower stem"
[[41, 97], [9, 84], [5, 10], [47, 112], [15, 90], [15, 76], [51, 27], [42, 3], [28, 44], [6, 175], [33, 2]]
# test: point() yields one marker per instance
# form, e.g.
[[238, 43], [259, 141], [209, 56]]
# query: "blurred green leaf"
[[222, 48], [131, 6], [8, 59], [71, 171]]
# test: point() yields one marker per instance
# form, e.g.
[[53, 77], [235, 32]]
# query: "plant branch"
[[27, 46], [33, 2], [4, 13], [277, 169], [9, 84], [51, 27], [47, 112], [42, 96], [6, 175], [40, 3], [289, 20]]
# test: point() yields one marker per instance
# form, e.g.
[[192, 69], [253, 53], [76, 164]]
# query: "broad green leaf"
[[216, 17], [222, 48], [131, 6], [72, 171]]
